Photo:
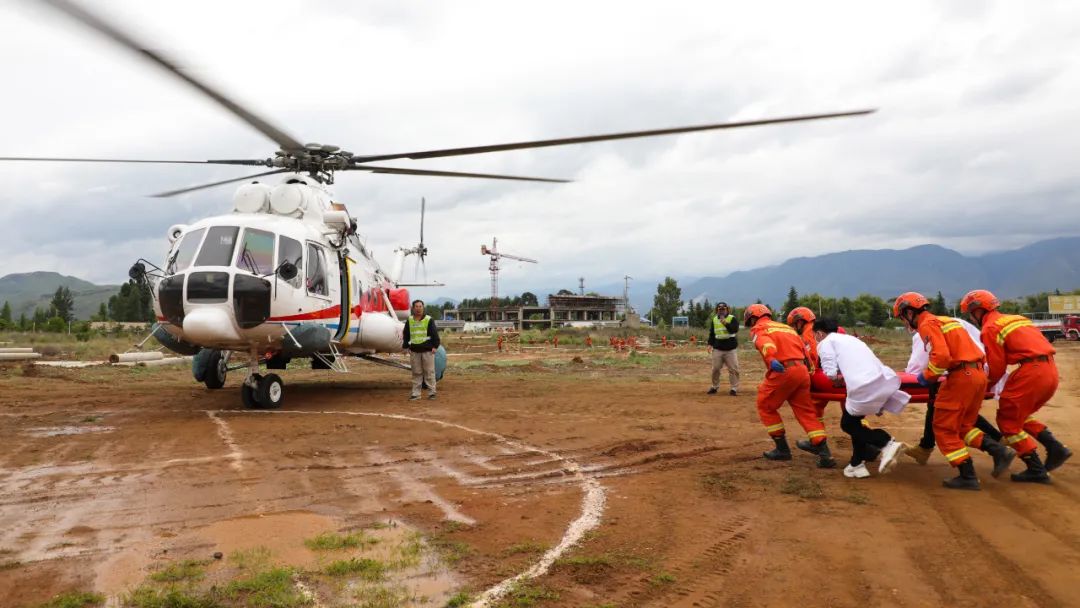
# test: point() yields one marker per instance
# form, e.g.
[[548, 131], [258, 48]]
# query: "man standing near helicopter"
[[422, 339]]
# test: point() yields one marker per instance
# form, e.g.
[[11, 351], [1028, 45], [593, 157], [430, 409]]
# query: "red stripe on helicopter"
[[333, 312]]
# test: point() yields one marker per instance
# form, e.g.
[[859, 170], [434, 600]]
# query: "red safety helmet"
[[800, 313], [907, 300], [755, 310], [979, 298]]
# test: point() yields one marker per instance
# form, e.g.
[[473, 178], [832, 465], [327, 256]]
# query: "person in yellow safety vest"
[[723, 328], [421, 338]]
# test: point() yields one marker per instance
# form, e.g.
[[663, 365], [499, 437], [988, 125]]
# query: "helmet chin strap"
[[910, 316]]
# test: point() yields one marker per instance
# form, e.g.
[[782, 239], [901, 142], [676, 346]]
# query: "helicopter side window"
[[218, 248], [256, 252], [185, 252], [290, 250], [315, 277]]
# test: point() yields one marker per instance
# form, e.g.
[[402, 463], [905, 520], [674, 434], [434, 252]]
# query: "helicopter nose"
[[209, 325]]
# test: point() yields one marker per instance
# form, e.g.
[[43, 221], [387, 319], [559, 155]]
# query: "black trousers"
[[865, 442], [927, 440]]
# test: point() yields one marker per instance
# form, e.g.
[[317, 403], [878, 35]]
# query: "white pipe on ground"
[[13, 349], [136, 357], [18, 356]]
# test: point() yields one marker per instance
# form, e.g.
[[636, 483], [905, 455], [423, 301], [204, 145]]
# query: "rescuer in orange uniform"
[[961, 394], [786, 379], [1014, 340], [802, 320]]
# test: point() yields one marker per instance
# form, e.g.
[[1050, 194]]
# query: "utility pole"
[[581, 286], [626, 293]]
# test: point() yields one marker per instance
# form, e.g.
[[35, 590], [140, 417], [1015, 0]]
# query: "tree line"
[[865, 309], [134, 303]]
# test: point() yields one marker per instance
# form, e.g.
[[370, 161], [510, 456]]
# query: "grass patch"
[[458, 600], [585, 568], [273, 588], [662, 579], [803, 487], [10, 565], [451, 551], [74, 599], [256, 558], [529, 546], [171, 597], [857, 497], [409, 552], [330, 541], [718, 483], [525, 595], [187, 570], [368, 569], [378, 596]]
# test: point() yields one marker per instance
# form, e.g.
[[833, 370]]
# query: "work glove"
[[776, 366], [922, 380]]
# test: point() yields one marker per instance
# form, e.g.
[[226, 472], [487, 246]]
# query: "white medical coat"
[[871, 386]]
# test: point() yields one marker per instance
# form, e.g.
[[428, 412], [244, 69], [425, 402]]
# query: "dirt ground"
[[107, 474]]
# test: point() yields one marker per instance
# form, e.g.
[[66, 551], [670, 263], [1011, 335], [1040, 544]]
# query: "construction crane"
[[495, 256]]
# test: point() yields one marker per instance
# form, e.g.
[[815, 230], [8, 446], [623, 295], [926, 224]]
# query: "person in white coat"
[[916, 363], [872, 388]]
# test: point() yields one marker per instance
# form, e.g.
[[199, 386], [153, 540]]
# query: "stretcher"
[[822, 389]]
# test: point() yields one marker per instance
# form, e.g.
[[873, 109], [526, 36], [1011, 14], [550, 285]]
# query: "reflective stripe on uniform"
[[815, 434], [1013, 324], [780, 328], [779, 426], [1017, 438], [418, 330], [765, 349], [947, 327], [972, 435], [960, 454], [937, 371]]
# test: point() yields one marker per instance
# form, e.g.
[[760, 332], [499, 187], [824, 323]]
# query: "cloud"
[[972, 148]]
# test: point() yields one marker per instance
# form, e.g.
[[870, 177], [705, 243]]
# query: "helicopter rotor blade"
[[423, 204], [122, 38], [433, 173], [254, 163], [221, 183], [611, 136]]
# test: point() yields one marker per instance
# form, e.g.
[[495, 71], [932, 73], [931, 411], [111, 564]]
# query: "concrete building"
[[561, 311]]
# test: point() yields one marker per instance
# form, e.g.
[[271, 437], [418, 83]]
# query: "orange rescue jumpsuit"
[[815, 362], [1012, 340], [961, 394], [779, 342]]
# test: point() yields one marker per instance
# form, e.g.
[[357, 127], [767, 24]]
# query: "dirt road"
[[108, 474]]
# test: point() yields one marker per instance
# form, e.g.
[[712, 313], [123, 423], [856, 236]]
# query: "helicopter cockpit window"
[[256, 252], [185, 251], [315, 278], [292, 251], [218, 248]]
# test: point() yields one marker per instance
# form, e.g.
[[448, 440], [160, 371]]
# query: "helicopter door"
[[343, 322]]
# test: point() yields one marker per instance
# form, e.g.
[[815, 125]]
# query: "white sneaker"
[[856, 472], [888, 456]]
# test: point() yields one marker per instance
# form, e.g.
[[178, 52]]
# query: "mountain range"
[[1042, 266]]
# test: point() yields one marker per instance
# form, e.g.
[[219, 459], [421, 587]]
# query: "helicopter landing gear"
[[259, 391], [217, 367]]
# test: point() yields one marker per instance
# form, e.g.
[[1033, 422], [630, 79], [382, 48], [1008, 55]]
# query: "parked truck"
[[1067, 327]]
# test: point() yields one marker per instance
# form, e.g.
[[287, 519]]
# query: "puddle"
[[57, 431], [419, 577]]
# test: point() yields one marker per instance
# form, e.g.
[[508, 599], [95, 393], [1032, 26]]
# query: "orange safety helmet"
[[755, 310], [800, 313], [911, 299], [979, 298]]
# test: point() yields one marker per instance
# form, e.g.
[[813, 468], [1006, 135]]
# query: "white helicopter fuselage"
[[222, 287]]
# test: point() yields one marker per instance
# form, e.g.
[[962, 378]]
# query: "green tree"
[[24, 323], [529, 299], [879, 313], [40, 317], [845, 312], [938, 305], [102, 313], [56, 325], [5, 316], [667, 302], [63, 304], [133, 303], [792, 302]]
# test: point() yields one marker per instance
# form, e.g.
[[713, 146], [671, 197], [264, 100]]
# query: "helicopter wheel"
[[270, 392], [216, 370], [250, 395]]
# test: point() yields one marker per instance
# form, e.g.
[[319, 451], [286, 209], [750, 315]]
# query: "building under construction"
[[562, 310]]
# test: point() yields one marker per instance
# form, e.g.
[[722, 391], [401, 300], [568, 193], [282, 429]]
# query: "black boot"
[[1035, 473], [781, 451], [1056, 453], [966, 480], [821, 450], [1003, 456]]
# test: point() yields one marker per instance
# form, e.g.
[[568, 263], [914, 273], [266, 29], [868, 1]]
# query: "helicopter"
[[284, 274]]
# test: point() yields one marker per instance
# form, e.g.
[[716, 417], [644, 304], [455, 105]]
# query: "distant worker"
[[960, 395], [872, 388], [786, 379], [916, 363], [723, 329], [1014, 340], [421, 337]]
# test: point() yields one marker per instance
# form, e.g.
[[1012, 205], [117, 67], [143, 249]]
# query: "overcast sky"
[[974, 147]]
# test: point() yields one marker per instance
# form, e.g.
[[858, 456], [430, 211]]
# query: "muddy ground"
[[108, 475]]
